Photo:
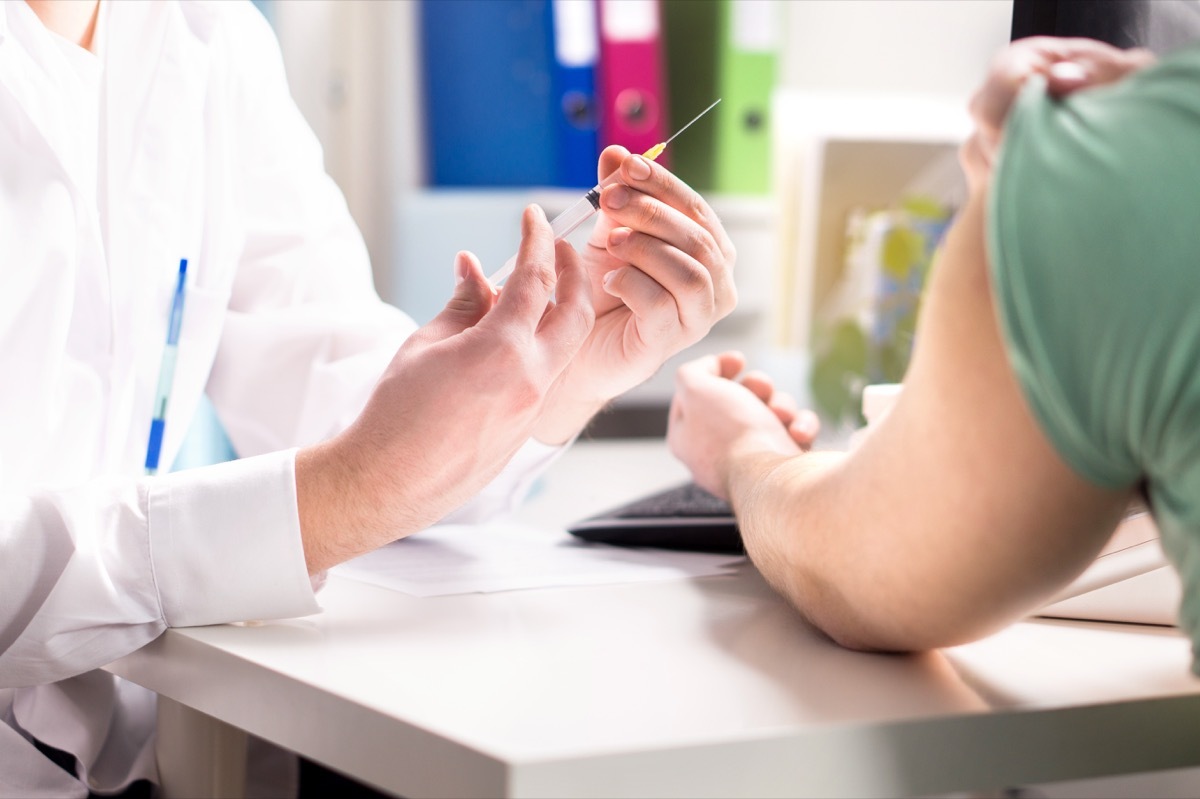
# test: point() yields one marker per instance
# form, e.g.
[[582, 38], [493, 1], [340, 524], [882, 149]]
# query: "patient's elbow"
[[898, 628], [839, 616], [862, 621], [859, 641], [853, 631]]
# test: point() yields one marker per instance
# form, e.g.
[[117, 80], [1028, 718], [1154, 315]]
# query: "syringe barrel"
[[581, 211], [563, 225]]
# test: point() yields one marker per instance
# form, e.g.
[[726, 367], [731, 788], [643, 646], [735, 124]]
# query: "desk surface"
[[705, 687]]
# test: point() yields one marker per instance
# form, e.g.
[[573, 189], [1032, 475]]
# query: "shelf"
[[841, 152]]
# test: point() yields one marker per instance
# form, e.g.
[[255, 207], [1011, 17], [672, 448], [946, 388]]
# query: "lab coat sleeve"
[[306, 336], [95, 572]]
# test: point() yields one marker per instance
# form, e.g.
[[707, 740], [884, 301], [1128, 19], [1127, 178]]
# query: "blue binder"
[[487, 87], [576, 50]]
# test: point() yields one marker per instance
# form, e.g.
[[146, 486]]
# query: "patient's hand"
[[716, 417], [1068, 66]]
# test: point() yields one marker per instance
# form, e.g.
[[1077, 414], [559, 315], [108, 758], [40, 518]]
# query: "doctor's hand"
[[1068, 65], [717, 417], [459, 398], [661, 271]]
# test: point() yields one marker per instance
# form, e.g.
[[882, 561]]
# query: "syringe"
[[565, 223]]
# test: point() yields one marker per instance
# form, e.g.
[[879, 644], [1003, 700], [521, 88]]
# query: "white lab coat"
[[203, 155]]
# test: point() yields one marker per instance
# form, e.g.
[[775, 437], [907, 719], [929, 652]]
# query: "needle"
[[584, 208], [658, 148]]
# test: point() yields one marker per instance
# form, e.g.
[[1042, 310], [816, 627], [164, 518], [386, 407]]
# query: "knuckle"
[[662, 180], [696, 207], [705, 249], [586, 314], [664, 311], [544, 270], [694, 245], [577, 326], [727, 299], [652, 213], [696, 280]]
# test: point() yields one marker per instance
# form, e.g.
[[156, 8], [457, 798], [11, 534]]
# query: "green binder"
[[747, 60], [727, 49], [690, 28]]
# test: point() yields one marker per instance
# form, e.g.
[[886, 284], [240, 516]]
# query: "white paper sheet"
[[464, 559]]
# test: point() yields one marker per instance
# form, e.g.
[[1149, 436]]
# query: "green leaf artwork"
[[867, 335]]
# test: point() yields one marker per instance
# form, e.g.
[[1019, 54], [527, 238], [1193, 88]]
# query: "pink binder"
[[631, 78]]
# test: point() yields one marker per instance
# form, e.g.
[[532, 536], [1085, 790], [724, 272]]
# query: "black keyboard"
[[688, 499], [684, 517]]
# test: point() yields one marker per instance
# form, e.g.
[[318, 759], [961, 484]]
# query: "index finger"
[[1097, 62], [1010, 69], [610, 161], [726, 365], [567, 323], [532, 283], [658, 182]]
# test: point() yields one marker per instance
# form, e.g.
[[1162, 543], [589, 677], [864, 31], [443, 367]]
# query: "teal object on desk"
[[206, 441]]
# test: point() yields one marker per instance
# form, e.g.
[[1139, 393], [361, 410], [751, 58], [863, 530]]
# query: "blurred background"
[[831, 158]]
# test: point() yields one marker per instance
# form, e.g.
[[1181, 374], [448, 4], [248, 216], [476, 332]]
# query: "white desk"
[[708, 687]]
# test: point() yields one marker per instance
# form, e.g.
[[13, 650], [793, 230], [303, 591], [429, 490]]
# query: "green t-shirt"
[[1094, 242]]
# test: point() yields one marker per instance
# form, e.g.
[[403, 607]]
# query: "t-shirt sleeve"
[[1084, 244]]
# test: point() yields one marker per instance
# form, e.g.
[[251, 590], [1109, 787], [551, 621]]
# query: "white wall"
[[909, 46], [352, 66]]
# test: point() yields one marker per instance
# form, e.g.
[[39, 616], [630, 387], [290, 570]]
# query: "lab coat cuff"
[[509, 489], [225, 543], [536, 457], [520, 477]]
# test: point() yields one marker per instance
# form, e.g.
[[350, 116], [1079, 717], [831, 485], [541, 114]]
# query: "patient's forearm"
[[823, 535], [955, 516], [794, 528]]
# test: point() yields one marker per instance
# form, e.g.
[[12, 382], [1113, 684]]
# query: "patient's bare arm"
[[953, 518], [956, 515]]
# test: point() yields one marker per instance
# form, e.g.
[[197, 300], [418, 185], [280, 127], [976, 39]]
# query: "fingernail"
[[616, 197], [1068, 71], [460, 269], [533, 215], [806, 422], [609, 277], [617, 237], [639, 169]]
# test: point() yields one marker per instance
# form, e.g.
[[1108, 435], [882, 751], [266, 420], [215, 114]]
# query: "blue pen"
[[166, 374]]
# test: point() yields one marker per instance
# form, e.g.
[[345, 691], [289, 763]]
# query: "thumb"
[[731, 364], [472, 299], [726, 366], [610, 160]]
